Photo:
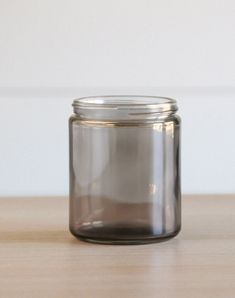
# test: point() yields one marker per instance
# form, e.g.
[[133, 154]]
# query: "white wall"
[[117, 42], [53, 51]]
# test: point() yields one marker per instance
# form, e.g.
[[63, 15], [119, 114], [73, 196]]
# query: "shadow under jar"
[[124, 169]]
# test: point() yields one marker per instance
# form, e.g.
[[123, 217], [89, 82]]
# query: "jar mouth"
[[156, 104], [124, 107]]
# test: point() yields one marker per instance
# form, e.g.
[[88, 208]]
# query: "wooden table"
[[39, 257]]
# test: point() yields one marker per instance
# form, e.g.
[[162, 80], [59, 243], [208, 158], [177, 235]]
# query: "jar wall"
[[125, 180]]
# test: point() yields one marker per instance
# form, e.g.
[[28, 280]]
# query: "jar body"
[[125, 179]]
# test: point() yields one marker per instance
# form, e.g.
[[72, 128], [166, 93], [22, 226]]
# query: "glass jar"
[[124, 169]]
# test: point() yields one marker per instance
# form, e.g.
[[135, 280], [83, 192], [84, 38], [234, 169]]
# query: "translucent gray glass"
[[125, 169]]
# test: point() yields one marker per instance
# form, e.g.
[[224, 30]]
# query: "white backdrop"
[[53, 51]]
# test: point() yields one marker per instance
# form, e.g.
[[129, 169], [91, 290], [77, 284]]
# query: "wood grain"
[[39, 257]]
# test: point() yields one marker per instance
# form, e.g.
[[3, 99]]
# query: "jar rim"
[[159, 104]]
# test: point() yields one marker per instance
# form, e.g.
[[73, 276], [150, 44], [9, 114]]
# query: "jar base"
[[121, 236]]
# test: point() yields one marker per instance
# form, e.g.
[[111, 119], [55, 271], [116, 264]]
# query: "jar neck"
[[124, 108]]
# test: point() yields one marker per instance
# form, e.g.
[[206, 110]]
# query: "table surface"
[[39, 257]]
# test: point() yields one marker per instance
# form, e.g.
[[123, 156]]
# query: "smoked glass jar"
[[124, 169]]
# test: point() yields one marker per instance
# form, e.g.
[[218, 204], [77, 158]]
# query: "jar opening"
[[124, 106], [123, 100]]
